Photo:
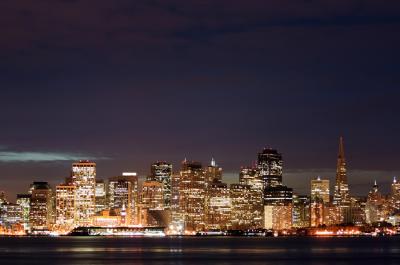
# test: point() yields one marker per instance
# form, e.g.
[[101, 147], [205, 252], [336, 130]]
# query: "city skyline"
[[298, 179], [195, 199], [199, 131], [231, 177]]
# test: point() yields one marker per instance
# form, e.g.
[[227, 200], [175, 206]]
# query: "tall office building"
[[341, 197], [123, 192], [65, 207], [374, 208], [10, 214], [41, 206], [246, 207], [24, 200], [317, 212], [250, 176], [152, 195], [218, 205], [270, 165], [101, 196], [320, 189], [319, 200], [176, 214], [162, 172], [358, 210], [192, 191], [83, 177], [213, 172], [278, 199], [301, 211], [395, 196], [278, 207]]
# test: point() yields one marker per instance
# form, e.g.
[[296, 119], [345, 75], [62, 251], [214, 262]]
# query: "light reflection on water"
[[194, 250]]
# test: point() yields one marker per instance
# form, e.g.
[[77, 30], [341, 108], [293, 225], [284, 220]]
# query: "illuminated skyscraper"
[[101, 196], [358, 210], [65, 206], [374, 208], [123, 192], [301, 211], [269, 165], [278, 206], [162, 172], [320, 189], [24, 200], [152, 195], [192, 191], [40, 215], [278, 217], [177, 217], [278, 199], [395, 196], [317, 212], [319, 200], [250, 176], [341, 197], [218, 205], [213, 172], [10, 214], [84, 179], [246, 208]]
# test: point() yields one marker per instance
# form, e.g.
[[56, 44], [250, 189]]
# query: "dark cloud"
[[147, 80]]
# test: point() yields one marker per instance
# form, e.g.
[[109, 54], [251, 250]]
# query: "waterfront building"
[[247, 207], [41, 206], [301, 211], [341, 197], [374, 208], [317, 212], [358, 214], [278, 205], [10, 214], [162, 172], [278, 217], [319, 199], [123, 192], [331, 215], [192, 191], [218, 205], [101, 196], [107, 218], [177, 217], [65, 206], [24, 201], [83, 177], [395, 197]]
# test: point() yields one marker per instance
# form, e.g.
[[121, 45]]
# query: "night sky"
[[126, 83]]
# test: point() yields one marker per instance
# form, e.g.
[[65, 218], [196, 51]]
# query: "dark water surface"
[[196, 250]]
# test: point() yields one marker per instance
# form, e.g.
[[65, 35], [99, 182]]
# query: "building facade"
[[192, 192], [123, 193], [162, 172], [41, 206], [83, 177]]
